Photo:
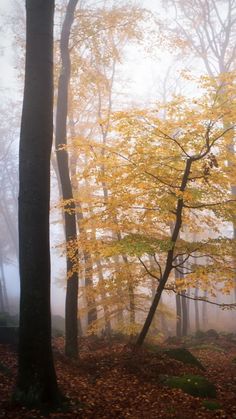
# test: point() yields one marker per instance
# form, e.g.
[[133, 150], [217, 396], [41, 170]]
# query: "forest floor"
[[113, 381]]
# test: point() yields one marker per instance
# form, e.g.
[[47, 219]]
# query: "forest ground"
[[112, 381]]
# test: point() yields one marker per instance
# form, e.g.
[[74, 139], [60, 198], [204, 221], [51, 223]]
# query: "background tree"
[[71, 315]]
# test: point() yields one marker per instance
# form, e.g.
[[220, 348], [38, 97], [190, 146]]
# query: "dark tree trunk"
[[36, 382], [169, 258], [71, 315]]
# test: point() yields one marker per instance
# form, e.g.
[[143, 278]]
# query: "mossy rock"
[[183, 355], [211, 404], [212, 333], [195, 385]]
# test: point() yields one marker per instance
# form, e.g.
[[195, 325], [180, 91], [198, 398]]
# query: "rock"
[[212, 333], [195, 385], [183, 355]]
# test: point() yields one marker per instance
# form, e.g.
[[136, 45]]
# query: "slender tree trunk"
[[2, 306], [188, 310], [36, 382], [169, 258], [88, 263], [184, 315], [129, 282], [178, 316], [71, 321], [11, 228], [196, 306], [3, 282], [204, 311]]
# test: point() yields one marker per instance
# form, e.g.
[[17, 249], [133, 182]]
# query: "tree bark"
[[71, 322], [36, 382]]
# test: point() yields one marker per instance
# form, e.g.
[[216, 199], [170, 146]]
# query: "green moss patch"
[[192, 384], [211, 404]]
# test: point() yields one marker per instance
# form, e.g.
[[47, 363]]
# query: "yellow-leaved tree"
[[169, 183]]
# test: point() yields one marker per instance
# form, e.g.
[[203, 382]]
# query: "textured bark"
[[71, 322], [36, 382]]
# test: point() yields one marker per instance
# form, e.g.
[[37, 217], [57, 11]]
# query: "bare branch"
[[147, 270]]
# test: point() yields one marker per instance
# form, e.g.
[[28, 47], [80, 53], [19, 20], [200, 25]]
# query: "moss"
[[192, 384], [211, 404], [183, 355]]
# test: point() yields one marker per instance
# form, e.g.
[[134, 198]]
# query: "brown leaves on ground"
[[114, 381]]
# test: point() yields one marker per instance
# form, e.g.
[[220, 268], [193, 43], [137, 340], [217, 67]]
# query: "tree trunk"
[[88, 263], [169, 258], [204, 311], [3, 283], [2, 307], [196, 306], [71, 346], [178, 316], [36, 382], [184, 315]]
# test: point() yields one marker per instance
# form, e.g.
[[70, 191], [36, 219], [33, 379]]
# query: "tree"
[[178, 172], [212, 40], [99, 41], [207, 30], [71, 344], [36, 382]]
